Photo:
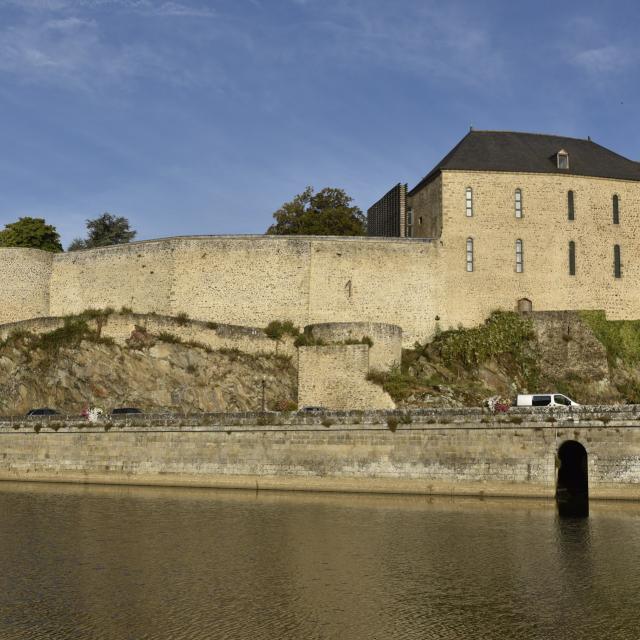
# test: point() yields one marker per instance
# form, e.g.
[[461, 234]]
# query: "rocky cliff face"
[[155, 376], [581, 354]]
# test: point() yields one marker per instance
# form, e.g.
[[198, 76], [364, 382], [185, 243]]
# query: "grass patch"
[[308, 340], [621, 338], [171, 338]]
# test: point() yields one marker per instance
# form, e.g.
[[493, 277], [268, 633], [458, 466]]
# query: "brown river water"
[[135, 563]]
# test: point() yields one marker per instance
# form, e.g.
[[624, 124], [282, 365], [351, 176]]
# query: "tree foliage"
[[32, 233], [103, 232], [328, 212]]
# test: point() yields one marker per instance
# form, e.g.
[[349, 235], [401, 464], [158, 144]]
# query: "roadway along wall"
[[468, 453]]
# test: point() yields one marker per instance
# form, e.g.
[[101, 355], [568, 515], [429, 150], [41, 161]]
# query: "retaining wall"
[[464, 453]]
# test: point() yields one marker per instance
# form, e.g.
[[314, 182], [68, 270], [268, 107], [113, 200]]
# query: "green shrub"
[[126, 311], [182, 319], [397, 384], [327, 422], [392, 423], [406, 418], [307, 340], [212, 325], [276, 329]]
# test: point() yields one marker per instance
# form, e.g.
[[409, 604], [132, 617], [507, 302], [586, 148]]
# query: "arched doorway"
[[572, 486]]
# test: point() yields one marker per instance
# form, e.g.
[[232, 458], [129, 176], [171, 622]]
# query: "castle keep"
[[505, 220], [518, 216]]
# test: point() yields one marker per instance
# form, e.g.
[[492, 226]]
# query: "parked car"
[[312, 410], [44, 411], [125, 410], [545, 400]]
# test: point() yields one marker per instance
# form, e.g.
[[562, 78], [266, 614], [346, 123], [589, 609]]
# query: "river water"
[[112, 563]]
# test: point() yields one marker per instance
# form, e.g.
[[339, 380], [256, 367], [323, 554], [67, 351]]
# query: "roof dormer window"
[[563, 159]]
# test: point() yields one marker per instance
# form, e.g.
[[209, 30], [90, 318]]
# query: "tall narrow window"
[[518, 203], [519, 257], [617, 265], [469, 202], [572, 258], [571, 206], [616, 210], [469, 254], [409, 229]]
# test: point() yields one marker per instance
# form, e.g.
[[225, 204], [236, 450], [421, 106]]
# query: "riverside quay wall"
[[451, 452]]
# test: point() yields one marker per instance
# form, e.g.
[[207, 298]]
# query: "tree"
[[104, 231], [326, 213], [33, 233]]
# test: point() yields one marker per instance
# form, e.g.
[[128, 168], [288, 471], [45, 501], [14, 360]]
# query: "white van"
[[545, 400]]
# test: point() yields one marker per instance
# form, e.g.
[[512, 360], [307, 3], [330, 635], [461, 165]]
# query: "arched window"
[[519, 257], [572, 258], [469, 254], [571, 206], [617, 264], [469, 197], [616, 210], [518, 203]]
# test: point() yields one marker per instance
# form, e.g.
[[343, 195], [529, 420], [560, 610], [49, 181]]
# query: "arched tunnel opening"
[[572, 487]]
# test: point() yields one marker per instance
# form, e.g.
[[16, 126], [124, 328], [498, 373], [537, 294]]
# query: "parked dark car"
[[124, 410], [44, 411], [312, 410]]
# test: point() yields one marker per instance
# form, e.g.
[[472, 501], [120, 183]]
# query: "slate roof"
[[532, 153]]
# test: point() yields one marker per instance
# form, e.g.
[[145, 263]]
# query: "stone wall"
[[467, 452], [246, 281], [24, 283], [386, 351], [426, 204], [215, 336], [335, 377]]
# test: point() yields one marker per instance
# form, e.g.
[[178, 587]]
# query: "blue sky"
[[202, 117]]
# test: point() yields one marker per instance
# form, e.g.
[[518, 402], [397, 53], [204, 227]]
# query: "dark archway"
[[572, 488]]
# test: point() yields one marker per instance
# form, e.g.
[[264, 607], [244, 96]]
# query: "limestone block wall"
[[246, 281], [387, 339], [335, 377], [437, 453], [24, 283], [139, 276], [545, 230]]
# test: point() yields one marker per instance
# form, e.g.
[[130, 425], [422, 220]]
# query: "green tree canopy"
[[33, 233], [326, 213], [104, 231]]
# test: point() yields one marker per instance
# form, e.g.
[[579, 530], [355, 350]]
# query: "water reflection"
[[104, 562]]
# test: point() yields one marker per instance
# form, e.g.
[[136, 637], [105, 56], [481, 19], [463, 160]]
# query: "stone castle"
[[504, 221]]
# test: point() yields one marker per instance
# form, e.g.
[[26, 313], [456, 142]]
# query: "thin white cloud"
[[167, 8], [434, 39], [587, 47]]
